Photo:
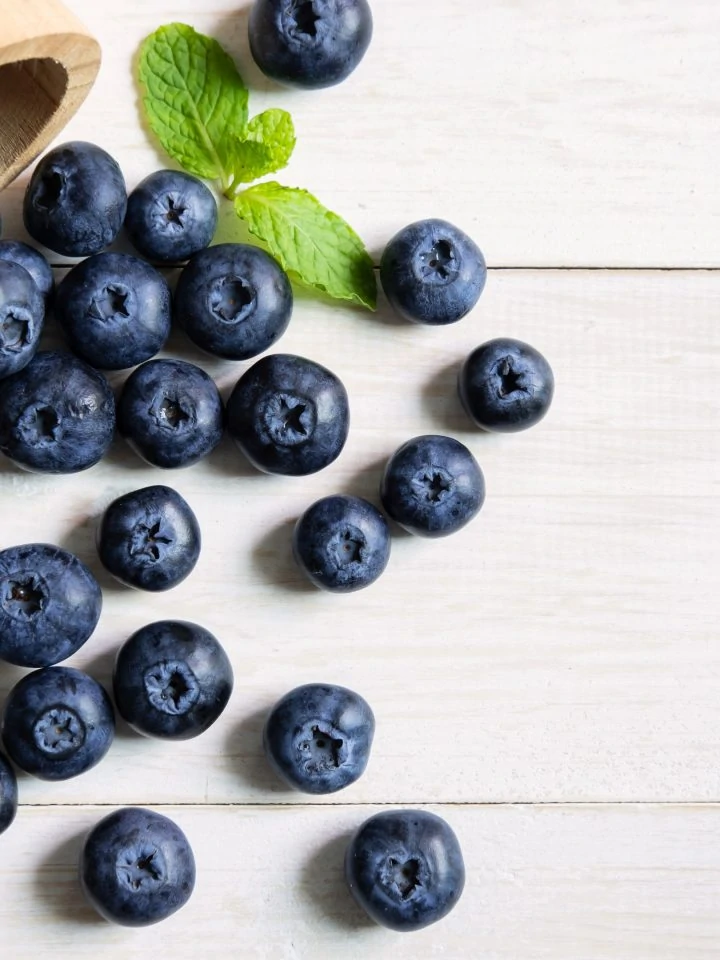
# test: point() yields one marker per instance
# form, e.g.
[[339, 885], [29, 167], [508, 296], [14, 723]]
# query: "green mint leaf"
[[267, 145], [314, 244], [194, 98]]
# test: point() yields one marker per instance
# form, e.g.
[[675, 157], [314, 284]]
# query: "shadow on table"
[[57, 886], [244, 750], [322, 885]]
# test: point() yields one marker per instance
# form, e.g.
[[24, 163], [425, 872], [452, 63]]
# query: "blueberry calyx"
[[59, 732], [14, 330], [511, 380], [39, 426], [175, 211], [111, 303], [148, 540], [439, 264], [432, 485], [322, 748], [288, 419], [24, 596], [171, 687], [169, 412], [141, 865], [302, 19], [232, 299], [403, 876], [50, 191], [347, 547]]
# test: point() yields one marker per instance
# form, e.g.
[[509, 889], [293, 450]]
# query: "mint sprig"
[[196, 103]]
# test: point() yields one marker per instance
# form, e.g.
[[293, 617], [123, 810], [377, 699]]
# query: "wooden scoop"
[[48, 63]]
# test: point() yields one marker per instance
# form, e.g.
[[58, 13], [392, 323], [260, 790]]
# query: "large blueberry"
[[76, 199], [50, 604], [136, 867], [33, 261], [170, 216], [149, 539], [8, 793], [115, 310], [405, 869], [432, 486], [309, 43], [506, 385], [432, 273], [233, 300], [172, 680], [58, 723], [22, 316], [289, 415], [342, 543], [57, 415], [170, 412], [318, 737]]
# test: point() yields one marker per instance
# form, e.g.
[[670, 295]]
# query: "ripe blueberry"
[[22, 317], [8, 793], [33, 261]]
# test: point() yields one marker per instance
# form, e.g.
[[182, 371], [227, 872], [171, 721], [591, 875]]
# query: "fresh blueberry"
[[50, 604], [432, 486], [8, 793], [136, 867], [76, 199], [309, 43], [170, 216], [22, 316], [149, 539], [289, 415], [432, 273], [172, 680], [33, 261], [506, 385], [342, 543], [233, 301], [405, 869], [115, 310], [170, 412], [58, 723], [318, 737], [57, 415]]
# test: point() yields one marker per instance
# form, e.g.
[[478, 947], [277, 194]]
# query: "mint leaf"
[[310, 241], [266, 146], [195, 100]]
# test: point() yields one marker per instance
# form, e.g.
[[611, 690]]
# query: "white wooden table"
[[548, 679]]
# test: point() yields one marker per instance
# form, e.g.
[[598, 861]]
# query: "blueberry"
[[432, 486], [233, 301], [172, 680], [506, 385], [405, 869], [289, 415], [170, 216], [432, 273], [114, 310], [136, 867], [22, 316], [318, 737], [8, 793], [57, 415], [33, 261], [342, 543], [58, 723], [76, 199], [309, 43], [149, 539], [170, 412], [50, 604]]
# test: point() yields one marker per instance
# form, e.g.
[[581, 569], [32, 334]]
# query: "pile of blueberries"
[[288, 415]]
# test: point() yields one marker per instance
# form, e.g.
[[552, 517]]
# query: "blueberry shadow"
[[80, 541], [366, 482], [323, 887], [100, 668], [441, 402], [122, 456], [272, 558], [57, 886], [229, 461], [233, 29], [244, 750]]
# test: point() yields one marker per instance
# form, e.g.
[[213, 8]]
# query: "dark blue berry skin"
[[8, 793], [170, 216], [22, 317], [432, 273], [149, 539], [309, 43], [432, 486], [33, 261], [405, 869], [136, 867], [170, 412], [115, 310], [76, 199], [342, 543], [233, 301], [289, 415], [57, 415], [58, 723], [172, 680], [50, 604], [318, 737], [506, 385]]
